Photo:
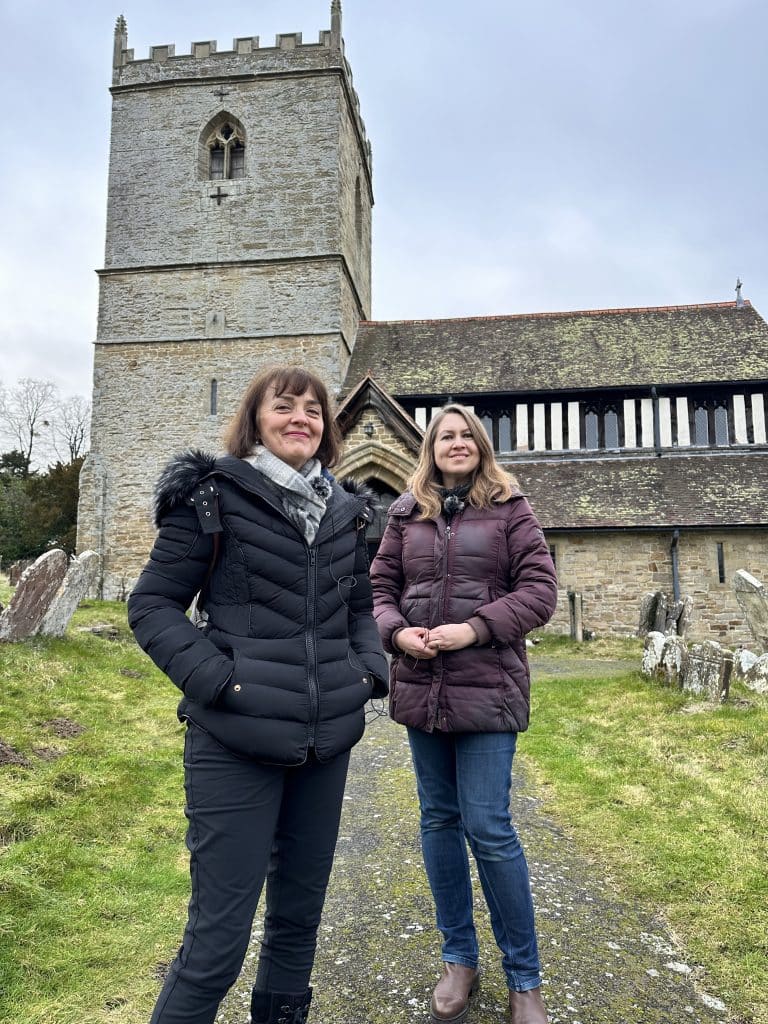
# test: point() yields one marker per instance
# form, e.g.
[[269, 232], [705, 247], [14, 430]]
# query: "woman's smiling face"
[[291, 426], [456, 453]]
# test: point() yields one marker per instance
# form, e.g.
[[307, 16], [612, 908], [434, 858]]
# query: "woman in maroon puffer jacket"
[[462, 574]]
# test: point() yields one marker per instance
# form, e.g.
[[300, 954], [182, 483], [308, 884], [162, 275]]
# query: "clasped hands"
[[422, 643]]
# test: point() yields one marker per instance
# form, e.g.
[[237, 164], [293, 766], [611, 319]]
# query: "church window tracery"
[[222, 156]]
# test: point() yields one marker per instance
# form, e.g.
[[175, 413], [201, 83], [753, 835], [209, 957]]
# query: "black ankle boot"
[[280, 1007]]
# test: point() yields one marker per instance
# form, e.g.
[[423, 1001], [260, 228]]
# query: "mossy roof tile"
[[591, 349], [700, 489]]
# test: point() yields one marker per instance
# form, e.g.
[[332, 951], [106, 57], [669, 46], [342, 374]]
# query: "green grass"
[[671, 795], [668, 797], [92, 872]]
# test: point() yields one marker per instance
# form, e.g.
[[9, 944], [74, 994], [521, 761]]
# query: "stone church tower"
[[238, 235]]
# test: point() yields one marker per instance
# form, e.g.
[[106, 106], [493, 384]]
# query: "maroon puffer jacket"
[[491, 566]]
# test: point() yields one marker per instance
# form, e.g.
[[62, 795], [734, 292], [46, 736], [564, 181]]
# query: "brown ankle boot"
[[450, 1000], [527, 1007]]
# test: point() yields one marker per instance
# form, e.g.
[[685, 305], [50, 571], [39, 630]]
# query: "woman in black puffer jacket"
[[274, 685]]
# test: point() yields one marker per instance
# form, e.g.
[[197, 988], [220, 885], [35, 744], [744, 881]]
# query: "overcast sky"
[[528, 156]]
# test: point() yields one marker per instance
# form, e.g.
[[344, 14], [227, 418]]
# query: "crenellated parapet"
[[126, 65], [247, 59]]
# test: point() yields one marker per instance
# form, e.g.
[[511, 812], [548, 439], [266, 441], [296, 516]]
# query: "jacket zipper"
[[309, 636], [447, 564], [312, 680]]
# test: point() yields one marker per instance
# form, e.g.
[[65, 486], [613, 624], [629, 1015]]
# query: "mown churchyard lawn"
[[664, 794]]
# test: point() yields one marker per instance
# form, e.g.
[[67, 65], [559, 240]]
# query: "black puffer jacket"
[[290, 653]]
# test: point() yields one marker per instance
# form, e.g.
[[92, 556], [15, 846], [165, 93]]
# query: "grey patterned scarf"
[[303, 493]]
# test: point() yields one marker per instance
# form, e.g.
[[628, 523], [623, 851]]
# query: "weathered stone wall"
[[356, 203], [615, 570], [160, 210], [197, 289], [222, 302], [381, 454]]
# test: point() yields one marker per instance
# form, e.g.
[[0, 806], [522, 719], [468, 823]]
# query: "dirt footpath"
[[605, 959]]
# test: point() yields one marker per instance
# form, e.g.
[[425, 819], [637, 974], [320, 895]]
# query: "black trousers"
[[249, 822]]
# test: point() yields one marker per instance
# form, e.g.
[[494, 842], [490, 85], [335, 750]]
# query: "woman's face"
[[291, 426], [455, 452]]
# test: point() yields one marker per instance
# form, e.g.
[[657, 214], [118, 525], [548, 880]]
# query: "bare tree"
[[26, 412], [70, 427]]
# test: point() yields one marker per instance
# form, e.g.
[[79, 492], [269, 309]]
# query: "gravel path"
[[606, 960]]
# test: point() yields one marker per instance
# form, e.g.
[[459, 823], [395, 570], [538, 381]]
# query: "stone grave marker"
[[660, 623], [660, 615], [753, 598], [686, 614], [654, 644], [33, 596], [708, 672], [743, 661], [674, 660], [647, 614], [80, 577], [756, 677]]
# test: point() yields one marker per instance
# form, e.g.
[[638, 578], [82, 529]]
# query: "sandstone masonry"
[[209, 277]]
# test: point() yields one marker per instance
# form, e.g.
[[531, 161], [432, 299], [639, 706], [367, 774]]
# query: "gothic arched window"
[[722, 435], [222, 151], [701, 424], [611, 427], [505, 433], [592, 429], [487, 420]]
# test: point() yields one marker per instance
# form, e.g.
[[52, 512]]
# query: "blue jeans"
[[463, 781]]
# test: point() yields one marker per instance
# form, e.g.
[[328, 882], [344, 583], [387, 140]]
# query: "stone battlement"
[[209, 47], [247, 58]]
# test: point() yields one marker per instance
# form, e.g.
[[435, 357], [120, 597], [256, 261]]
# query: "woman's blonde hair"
[[490, 483]]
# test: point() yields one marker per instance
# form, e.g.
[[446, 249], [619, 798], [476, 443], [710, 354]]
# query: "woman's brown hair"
[[490, 483], [242, 434]]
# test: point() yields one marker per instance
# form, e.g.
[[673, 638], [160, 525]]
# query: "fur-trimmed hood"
[[185, 471], [179, 478]]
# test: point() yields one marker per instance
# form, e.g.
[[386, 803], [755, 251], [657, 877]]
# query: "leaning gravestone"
[[708, 672], [80, 577], [753, 598], [743, 661], [674, 611], [647, 614], [654, 645], [686, 614], [756, 677], [659, 615], [674, 661], [660, 623], [33, 595]]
